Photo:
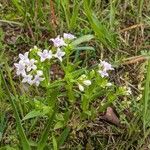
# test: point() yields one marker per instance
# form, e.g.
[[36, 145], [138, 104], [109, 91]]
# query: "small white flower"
[[24, 58], [103, 73], [35, 47], [39, 72], [83, 81], [38, 78], [128, 92], [31, 65], [27, 79], [58, 42], [45, 55], [69, 36], [59, 54], [81, 88], [20, 68], [87, 82], [82, 77], [106, 66], [109, 84]]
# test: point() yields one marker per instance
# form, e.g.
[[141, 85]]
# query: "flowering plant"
[[88, 88], [88, 84]]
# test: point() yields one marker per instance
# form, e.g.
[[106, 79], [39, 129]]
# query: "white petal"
[[39, 53], [68, 36], [39, 72], [81, 88], [87, 82], [109, 84]]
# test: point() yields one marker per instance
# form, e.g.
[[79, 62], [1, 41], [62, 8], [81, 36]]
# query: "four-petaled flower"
[[37, 78], [103, 73], [20, 68], [28, 79], [30, 65], [59, 54], [106, 66], [58, 41], [24, 58], [68, 36], [103, 68], [45, 55]]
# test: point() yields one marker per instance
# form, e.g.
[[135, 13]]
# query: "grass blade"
[[23, 138], [82, 39], [105, 36], [63, 136], [43, 139], [146, 97]]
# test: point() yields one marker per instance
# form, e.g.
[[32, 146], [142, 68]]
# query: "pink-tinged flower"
[[27, 79], [103, 73], [31, 65], [24, 58], [45, 55], [58, 42], [59, 54], [20, 68], [106, 66], [69, 36], [38, 78]]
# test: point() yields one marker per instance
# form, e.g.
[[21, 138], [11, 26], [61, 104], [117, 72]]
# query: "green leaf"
[[55, 147], [63, 136], [104, 35], [74, 16], [44, 136], [88, 48], [59, 125], [33, 114], [82, 39]]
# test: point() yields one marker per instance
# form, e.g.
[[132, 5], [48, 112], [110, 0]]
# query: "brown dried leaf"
[[111, 117]]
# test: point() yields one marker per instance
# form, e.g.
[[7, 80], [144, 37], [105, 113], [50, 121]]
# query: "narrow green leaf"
[[74, 17], [55, 147], [82, 39], [146, 98], [63, 136], [33, 114], [44, 137], [88, 48]]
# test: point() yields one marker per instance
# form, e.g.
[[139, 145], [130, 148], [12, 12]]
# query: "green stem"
[[146, 96]]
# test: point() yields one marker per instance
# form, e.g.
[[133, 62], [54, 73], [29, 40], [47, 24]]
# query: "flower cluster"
[[60, 42], [28, 68], [82, 82], [103, 68]]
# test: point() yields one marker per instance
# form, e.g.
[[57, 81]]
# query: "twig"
[[131, 27], [133, 60]]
